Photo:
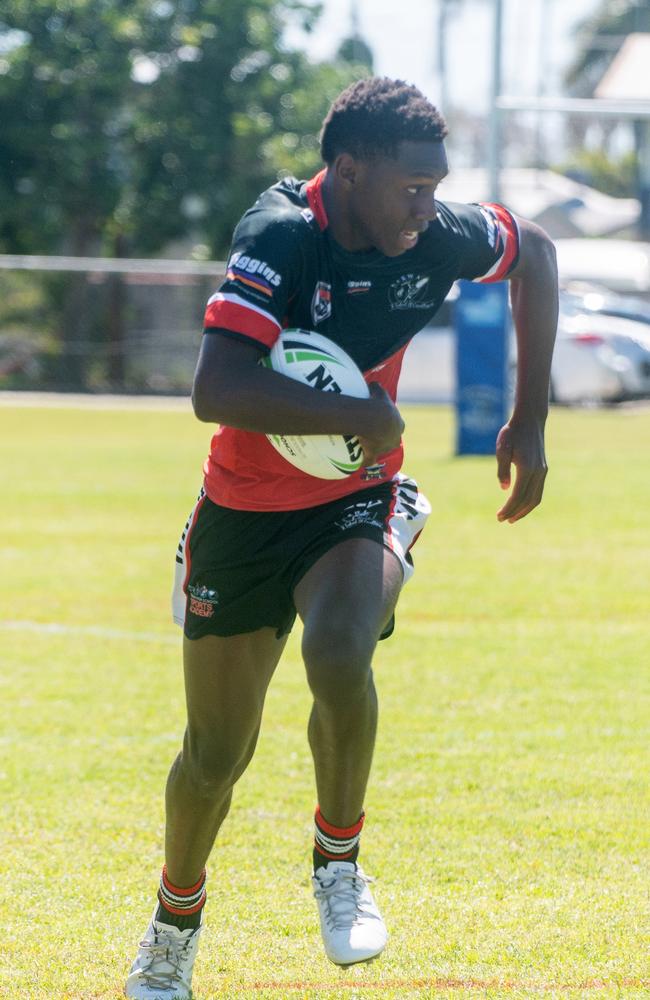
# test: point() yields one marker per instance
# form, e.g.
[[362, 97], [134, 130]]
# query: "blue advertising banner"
[[482, 324]]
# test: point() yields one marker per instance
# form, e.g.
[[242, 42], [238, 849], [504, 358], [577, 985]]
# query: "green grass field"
[[508, 818]]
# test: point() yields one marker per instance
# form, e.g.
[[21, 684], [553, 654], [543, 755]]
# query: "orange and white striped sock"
[[335, 843], [180, 906]]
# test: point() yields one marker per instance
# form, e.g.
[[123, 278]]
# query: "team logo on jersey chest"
[[321, 302], [410, 291]]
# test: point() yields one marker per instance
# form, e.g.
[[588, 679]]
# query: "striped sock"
[[335, 843], [180, 907]]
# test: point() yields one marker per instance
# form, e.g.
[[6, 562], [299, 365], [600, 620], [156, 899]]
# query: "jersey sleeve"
[[262, 272], [488, 241]]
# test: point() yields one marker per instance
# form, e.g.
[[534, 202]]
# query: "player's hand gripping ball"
[[317, 361]]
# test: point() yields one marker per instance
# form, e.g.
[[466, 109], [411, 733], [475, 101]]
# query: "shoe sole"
[[356, 961]]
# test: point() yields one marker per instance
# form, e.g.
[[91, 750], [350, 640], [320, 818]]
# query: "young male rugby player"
[[365, 254]]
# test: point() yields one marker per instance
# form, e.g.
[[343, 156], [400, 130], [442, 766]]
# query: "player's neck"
[[339, 218]]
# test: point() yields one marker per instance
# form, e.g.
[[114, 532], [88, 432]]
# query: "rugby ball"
[[317, 361]]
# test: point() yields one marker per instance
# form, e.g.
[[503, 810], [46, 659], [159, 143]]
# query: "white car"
[[600, 359], [620, 265], [582, 296]]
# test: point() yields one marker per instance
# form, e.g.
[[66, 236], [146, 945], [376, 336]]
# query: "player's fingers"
[[370, 453], [518, 498], [504, 458], [520, 513], [504, 464], [526, 495]]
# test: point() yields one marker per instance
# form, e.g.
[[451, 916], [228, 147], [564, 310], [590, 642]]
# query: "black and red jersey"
[[285, 270]]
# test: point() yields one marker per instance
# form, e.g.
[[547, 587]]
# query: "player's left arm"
[[534, 302]]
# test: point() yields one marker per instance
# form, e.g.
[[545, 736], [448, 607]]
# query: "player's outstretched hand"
[[387, 426], [521, 445]]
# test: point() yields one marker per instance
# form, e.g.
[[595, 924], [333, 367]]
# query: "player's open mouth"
[[409, 237]]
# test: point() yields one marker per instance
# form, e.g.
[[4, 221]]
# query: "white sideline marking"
[[101, 632], [100, 401]]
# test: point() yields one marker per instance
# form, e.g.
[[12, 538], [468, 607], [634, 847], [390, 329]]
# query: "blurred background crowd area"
[[134, 133]]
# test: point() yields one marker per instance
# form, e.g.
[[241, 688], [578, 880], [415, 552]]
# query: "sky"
[[403, 37]]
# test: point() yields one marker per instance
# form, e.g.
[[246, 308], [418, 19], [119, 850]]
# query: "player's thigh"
[[226, 679], [351, 591]]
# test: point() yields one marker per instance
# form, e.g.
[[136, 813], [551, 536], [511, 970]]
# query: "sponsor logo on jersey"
[[254, 273], [321, 303], [354, 287], [202, 601], [410, 292], [364, 512], [492, 226]]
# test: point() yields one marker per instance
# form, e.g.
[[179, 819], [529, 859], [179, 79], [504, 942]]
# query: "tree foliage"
[[129, 123], [614, 176]]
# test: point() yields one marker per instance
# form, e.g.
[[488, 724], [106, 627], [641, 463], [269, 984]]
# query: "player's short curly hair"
[[372, 116]]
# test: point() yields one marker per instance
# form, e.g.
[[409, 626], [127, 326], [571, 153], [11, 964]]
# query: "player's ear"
[[346, 169]]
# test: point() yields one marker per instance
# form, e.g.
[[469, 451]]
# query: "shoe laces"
[[165, 956], [342, 898]]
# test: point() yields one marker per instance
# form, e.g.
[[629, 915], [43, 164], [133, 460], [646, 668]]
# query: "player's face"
[[393, 200]]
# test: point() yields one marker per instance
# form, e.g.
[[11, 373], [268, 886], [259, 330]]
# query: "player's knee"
[[338, 663], [214, 765]]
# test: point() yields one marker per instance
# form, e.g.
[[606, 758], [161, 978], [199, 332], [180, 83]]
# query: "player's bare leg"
[[345, 600], [225, 683], [226, 679]]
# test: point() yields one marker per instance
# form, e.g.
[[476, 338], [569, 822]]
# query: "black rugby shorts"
[[236, 570]]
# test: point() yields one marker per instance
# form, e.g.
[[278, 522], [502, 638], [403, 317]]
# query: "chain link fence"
[[102, 324]]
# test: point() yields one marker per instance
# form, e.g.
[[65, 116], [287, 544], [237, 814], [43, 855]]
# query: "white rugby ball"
[[317, 361]]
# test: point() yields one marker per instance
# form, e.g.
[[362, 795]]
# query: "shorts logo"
[[410, 292], [202, 601], [321, 303], [361, 513]]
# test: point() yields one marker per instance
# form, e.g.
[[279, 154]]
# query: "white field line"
[[101, 401], [438, 628], [97, 631]]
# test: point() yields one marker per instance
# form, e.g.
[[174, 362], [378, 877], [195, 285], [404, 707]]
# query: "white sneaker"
[[351, 924], [163, 966]]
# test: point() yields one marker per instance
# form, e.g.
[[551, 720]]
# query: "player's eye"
[[415, 189]]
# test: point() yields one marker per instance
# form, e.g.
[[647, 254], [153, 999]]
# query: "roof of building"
[[627, 78], [563, 206]]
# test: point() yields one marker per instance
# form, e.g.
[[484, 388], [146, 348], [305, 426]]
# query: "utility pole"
[[441, 55], [494, 135], [445, 9], [354, 28]]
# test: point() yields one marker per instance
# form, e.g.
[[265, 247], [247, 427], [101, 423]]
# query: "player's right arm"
[[265, 274], [232, 388]]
